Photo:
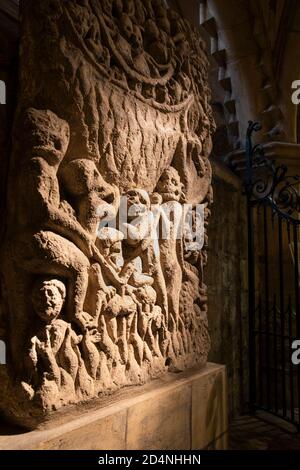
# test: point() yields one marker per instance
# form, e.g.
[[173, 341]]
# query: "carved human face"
[[48, 298], [170, 186]]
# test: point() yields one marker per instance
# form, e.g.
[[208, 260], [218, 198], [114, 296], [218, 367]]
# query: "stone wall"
[[226, 276]]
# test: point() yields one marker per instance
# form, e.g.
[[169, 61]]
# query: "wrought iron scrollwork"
[[270, 184]]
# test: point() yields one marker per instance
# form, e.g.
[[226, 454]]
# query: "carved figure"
[[170, 242]]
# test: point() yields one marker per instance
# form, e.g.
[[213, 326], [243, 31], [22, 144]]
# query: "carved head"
[[137, 40], [146, 295], [152, 31], [157, 5], [110, 244], [45, 135], [164, 24], [149, 8], [138, 203], [48, 297], [140, 12], [129, 7], [183, 49], [170, 186], [126, 26], [173, 15], [81, 177], [118, 8]]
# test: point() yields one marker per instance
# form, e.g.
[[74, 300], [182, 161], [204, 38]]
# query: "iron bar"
[[275, 353], [282, 317], [297, 303], [267, 304]]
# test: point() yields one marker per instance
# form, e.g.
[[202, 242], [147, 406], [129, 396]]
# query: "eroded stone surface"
[[113, 102]]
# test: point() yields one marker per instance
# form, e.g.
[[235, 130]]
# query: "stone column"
[[113, 113]]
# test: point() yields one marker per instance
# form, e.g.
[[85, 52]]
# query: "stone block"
[[209, 408], [106, 433], [181, 411], [162, 422]]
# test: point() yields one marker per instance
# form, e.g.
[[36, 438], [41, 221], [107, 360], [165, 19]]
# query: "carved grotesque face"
[[137, 40], [48, 298], [126, 26], [138, 203], [170, 186], [45, 135], [81, 177]]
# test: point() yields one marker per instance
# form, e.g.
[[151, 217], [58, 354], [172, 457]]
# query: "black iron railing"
[[273, 206]]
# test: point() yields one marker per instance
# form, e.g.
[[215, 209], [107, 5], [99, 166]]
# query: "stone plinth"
[[178, 412]]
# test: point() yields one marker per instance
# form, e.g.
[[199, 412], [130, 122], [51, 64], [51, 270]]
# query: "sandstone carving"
[[113, 115]]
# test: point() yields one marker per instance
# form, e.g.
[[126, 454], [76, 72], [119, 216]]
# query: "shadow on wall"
[[216, 413], [227, 285], [9, 34]]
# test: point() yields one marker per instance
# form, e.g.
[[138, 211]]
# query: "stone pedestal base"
[[177, 412]]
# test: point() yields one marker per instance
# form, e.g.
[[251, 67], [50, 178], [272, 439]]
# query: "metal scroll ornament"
[[268, 183]]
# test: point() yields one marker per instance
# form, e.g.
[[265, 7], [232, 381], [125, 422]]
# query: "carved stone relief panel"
[[113, 115]]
